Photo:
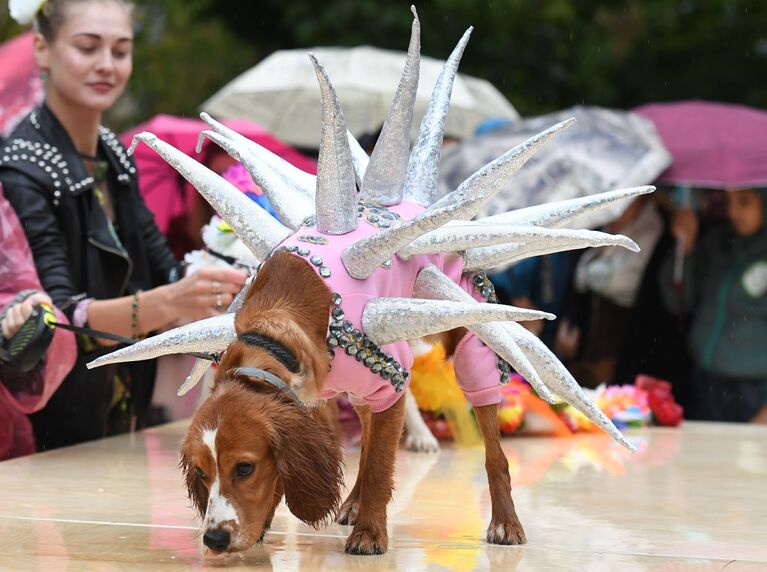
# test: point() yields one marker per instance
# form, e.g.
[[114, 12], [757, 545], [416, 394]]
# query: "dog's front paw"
[[421, 441], [506, 532], [367, 541], [348, 512]]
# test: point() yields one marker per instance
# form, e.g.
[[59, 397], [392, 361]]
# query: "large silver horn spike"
[[336, 196], [360, 159], [210, 336], [562, 212], [389, 320], [463, 235], [194, 377], [385, 177], [562, 382], [257, 229], [483, 185], [423, 166], [434, 283], [502, 255], [363, 257], [301, 180], [291, 205]]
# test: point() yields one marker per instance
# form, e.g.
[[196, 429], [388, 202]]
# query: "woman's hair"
[[53, 14]]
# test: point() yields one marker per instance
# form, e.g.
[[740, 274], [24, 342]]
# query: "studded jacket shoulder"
[[75, 252]]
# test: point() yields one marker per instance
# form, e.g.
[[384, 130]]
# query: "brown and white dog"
[[252, 442]]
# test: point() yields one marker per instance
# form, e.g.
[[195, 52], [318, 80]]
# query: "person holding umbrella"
[[97, 249], [724, 289], [717, 279]]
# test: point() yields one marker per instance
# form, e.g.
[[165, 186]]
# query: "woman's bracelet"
[[134, 315]]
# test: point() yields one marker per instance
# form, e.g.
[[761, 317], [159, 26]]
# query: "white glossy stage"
[[694, 498]]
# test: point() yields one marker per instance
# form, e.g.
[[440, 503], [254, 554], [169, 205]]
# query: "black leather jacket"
[[76, 256]]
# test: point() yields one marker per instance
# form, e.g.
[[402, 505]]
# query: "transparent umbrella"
[[281, 93]]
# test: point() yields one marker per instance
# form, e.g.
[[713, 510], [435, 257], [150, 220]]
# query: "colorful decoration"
[[649, 401]]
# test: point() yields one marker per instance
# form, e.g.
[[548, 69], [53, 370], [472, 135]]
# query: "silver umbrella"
[[604, 150]]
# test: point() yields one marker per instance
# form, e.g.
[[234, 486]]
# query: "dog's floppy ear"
[[198, 493], [309, 461]]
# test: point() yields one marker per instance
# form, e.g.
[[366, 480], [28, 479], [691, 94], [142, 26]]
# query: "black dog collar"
[[280, 352]]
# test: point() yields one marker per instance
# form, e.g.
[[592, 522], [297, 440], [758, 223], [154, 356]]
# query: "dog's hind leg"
[[348, 512], [505, 527], [376, 481]]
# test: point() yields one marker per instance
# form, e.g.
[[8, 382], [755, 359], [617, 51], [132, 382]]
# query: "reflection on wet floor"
[[586, 504]]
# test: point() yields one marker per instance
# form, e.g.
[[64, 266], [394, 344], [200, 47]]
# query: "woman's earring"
[[43, 75]]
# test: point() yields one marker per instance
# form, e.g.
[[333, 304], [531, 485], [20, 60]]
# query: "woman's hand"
[[19, 313], [684, 227], [205, 293]]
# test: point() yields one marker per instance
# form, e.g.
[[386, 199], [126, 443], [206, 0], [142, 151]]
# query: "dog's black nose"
[[217, 539]]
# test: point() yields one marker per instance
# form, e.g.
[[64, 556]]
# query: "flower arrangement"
[[648, 401], [24, 11]]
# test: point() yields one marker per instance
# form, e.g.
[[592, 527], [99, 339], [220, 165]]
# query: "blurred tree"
[[547, 54], [543, 54]]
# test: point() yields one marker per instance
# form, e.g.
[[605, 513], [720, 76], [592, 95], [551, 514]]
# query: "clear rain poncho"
[[23, 393]]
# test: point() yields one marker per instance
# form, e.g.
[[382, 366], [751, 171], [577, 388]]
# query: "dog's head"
[[250, 443], [244, 450]]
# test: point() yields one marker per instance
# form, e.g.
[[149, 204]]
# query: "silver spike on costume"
[[336, 196], [483, 185], [254, 226], [360, 159], [423, 166], [489, 257], [302, 181], [389, 320], [385, 177], [362, 258], [562, 212], [199, 369], [431, 282], [211, 335], [291, 205], [461, 235], [562, 382]]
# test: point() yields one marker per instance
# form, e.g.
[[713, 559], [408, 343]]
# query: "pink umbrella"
[[713, 145], [20, 85], [167, 195]]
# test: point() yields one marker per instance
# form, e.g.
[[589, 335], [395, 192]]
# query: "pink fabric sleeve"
[[476, 365]]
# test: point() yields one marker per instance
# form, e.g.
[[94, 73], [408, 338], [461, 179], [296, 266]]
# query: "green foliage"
[[543, 54]]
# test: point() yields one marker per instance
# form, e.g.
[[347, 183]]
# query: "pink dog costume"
[[357, 368]]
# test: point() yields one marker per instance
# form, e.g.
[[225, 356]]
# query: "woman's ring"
[[219, 302], [216, 287]]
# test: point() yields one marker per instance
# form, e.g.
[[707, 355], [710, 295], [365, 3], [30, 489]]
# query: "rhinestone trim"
[[343, 336], [313, 239], [377, 215], [486, 289]]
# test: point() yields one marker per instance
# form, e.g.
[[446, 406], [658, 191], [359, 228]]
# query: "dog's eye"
[[199, 472], [244, 469]]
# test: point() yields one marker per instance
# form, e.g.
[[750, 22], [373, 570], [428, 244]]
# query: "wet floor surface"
[[693, 498]]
